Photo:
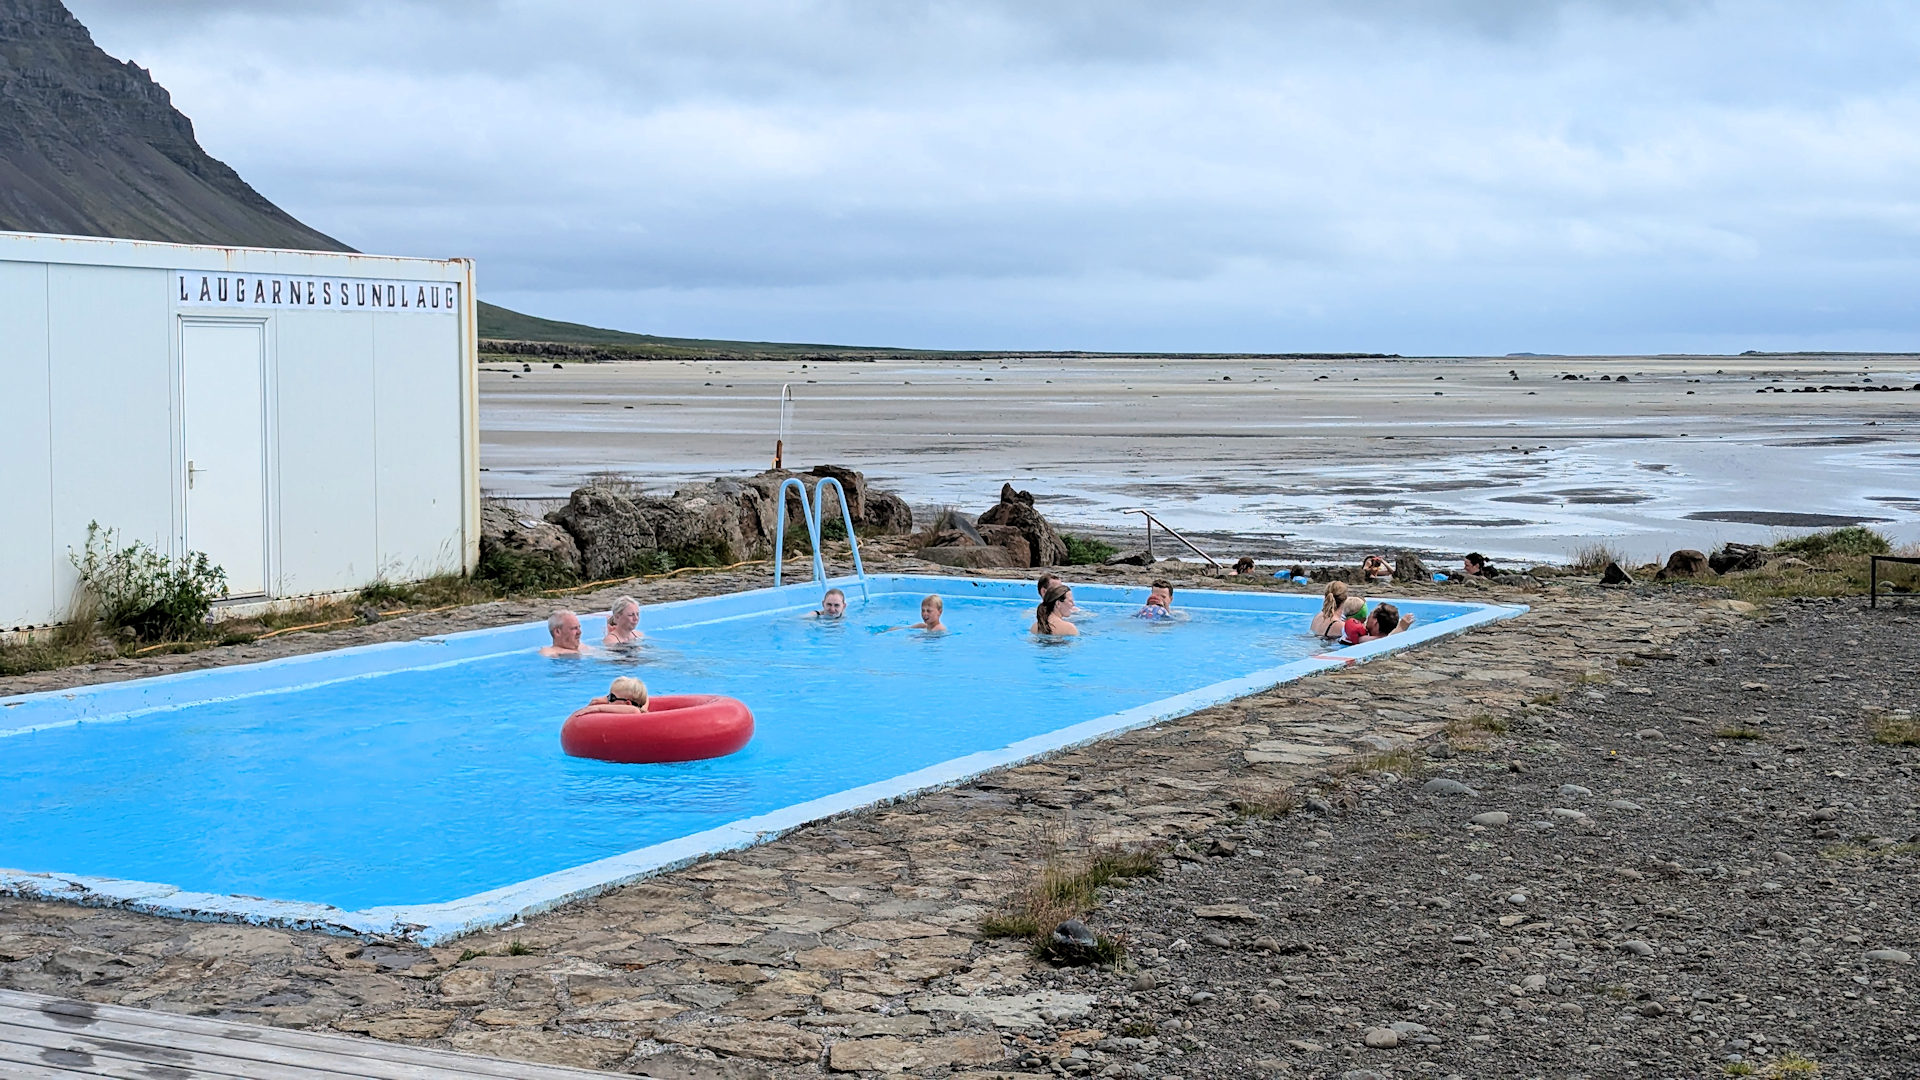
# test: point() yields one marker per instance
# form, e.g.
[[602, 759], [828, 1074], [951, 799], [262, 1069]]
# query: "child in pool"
[[626, 690], [931, 608], [1384, 620]]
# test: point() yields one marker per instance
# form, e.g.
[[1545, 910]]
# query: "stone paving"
[[850, 946]]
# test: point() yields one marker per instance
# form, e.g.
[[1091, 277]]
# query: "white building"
[[307, 419]]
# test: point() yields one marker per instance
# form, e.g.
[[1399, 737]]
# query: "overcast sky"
[[1411, 176]]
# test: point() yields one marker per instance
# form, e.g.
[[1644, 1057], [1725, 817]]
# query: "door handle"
[[191, 471]]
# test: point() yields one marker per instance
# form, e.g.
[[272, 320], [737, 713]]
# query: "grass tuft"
[[1085, 550], [518, 948], [1896, 729], [470, 954], [1544, 699], [1065, 892], [1275, 804], [1401, 762], [1852, 540], [1474, 732], [1595, 557]]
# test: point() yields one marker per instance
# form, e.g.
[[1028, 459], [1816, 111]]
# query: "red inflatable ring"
[[675, 727]]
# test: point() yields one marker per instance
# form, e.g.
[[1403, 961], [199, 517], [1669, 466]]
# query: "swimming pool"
[[418, 788]]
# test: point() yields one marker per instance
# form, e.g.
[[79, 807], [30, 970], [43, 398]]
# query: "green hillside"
[[500, 326]]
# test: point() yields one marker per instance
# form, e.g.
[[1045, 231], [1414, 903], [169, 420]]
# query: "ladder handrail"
[[780, 529], [846, 518], [1152, 521]]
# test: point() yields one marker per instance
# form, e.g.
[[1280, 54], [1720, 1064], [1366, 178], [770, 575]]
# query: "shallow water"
[[428, 784], [1497, 453]]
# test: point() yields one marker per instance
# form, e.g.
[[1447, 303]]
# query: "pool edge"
[[434, 923]]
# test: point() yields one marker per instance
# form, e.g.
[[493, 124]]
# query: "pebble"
[[1144, 981], [1383, 1038], [1891, 956], [1825, 813], [1637, 947], [1652, 734], [1534, 983], [1491, 817], [1441, 785], [1570, 1010], [1218, 941], [1318, 805], [1879, 842], [1517, 898], [1624, 804], [1567, 814], [1200, 997], [1575, 791]]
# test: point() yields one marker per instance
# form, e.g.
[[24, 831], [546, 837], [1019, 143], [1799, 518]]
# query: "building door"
[[223, 376]]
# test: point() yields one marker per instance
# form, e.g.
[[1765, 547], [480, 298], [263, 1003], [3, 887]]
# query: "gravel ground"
[[1696, 864]]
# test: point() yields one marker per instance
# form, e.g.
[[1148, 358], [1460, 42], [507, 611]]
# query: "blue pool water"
[[431, 777]]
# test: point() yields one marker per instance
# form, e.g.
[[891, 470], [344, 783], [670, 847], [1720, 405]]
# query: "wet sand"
[[1447, 454]]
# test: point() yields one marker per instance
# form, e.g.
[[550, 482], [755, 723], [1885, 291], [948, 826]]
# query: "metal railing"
[[810, 514], [1170, 531], [1873, 577]]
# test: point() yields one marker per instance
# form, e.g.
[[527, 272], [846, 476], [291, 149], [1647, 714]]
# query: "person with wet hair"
[[1159, 603], [1050, 617], [833, 605], [1047, 581]]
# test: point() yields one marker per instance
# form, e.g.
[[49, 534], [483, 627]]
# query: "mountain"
[[91, 146]]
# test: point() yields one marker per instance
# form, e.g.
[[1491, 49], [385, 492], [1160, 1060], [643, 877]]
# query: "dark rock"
[[1131, 558], [611, 529], [1685, 563], [503, 529], [1613, 575], [888, 513], [366, 615], [853, 483], [1732, 557], [1015, 541], [1410, 567], [970, 557], [1015, 509]]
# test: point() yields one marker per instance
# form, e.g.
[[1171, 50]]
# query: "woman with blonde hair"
[[623, 622], [1332, 609]]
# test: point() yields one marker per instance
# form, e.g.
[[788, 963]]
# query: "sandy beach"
[[1504, 454]]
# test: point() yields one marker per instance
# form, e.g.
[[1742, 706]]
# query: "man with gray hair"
[[623, 622], [564, 625]]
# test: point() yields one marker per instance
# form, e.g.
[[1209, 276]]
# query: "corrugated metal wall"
[[369, 416]]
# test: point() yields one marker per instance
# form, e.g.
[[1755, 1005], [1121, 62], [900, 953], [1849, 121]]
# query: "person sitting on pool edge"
[[623, 622], [833, 605], [1243, 566], [1050, 617], [1385, 619], [564, 627], [1376, 569], [1159, 603], [931, 608], [626, 690]]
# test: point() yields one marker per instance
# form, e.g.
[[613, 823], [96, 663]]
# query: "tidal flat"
[[1298, 457]]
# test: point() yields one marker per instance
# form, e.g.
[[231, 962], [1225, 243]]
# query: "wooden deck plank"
[[32, 1023], [32, 1068]]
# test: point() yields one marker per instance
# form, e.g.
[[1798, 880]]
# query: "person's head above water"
[[622, 618], [1384, 620], [1057, 604], [564, 627], [931, 608], [628, 689], [1161, 593], [1047, 581], [833, 605], [1335, 597]]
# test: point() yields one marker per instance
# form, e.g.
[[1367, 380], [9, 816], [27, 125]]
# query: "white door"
[[223, 370]]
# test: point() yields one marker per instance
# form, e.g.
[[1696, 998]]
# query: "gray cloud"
[[1394, 174]]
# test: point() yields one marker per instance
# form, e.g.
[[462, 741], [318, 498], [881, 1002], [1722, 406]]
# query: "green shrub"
[[138, 589], [1085, 550], [1852, 540], [384, 592], [516, 572]]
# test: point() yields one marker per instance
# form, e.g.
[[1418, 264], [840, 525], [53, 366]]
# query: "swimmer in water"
[[1159, 603], [623, 622], [1050, 618], [931, 609], [833, 606], [564, 627], [626, 690]]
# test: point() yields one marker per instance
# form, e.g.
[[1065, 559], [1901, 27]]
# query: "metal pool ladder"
[[810, 511], [1152, 521]]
